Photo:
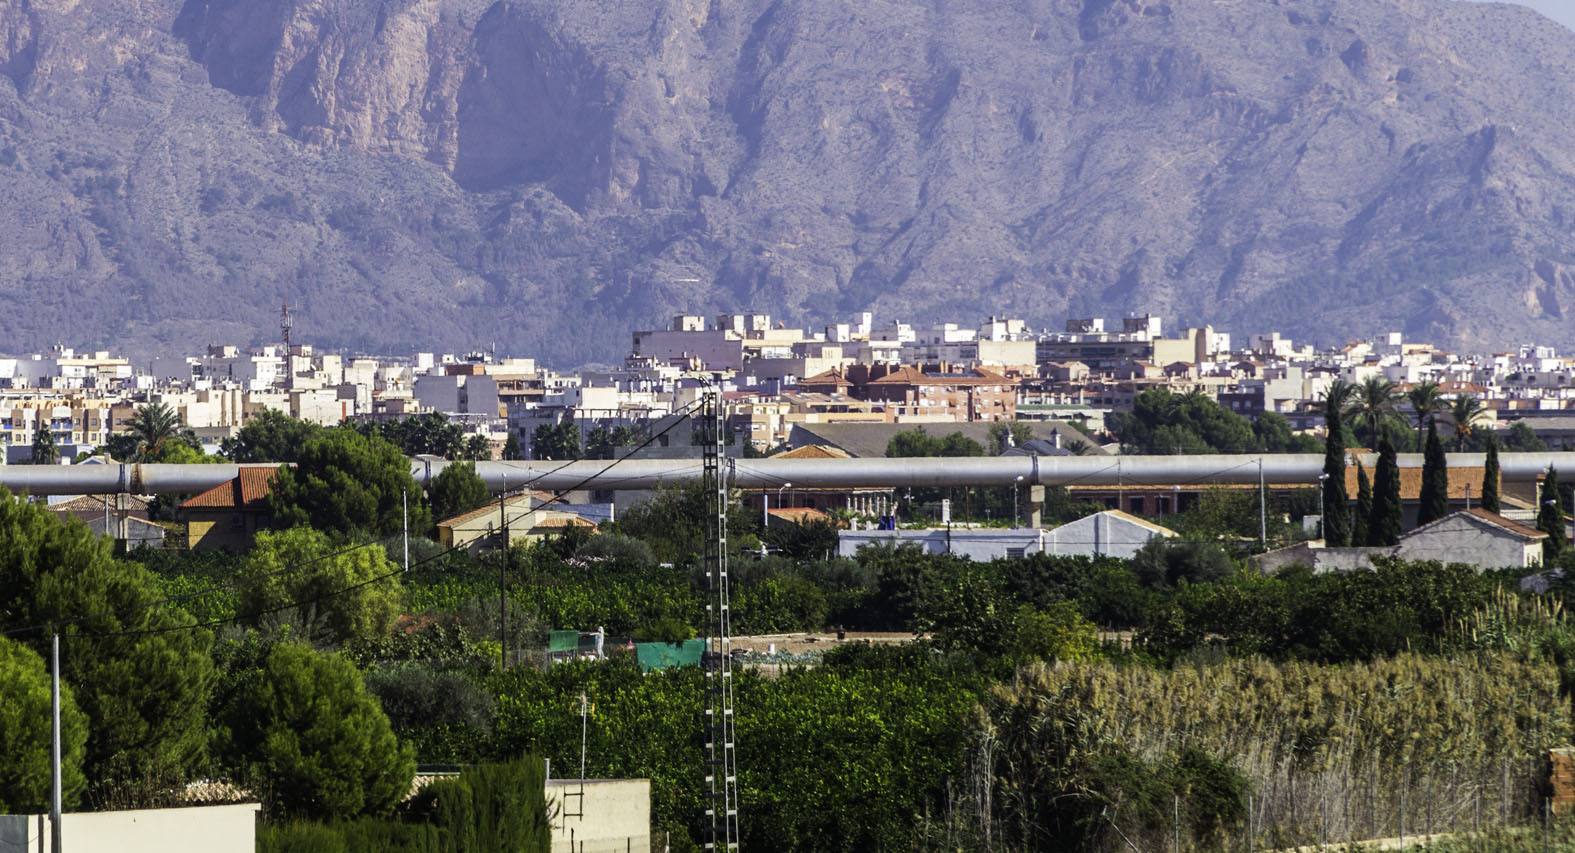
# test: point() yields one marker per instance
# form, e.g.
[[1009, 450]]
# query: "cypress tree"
[[1383, 528], [1435, 478], [1336, 520], [1550, 517], [1490, 476], [1364, 506]]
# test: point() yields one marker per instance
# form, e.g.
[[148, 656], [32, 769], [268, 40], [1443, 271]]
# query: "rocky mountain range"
[[542, 175]]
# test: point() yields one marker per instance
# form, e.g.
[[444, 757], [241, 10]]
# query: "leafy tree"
[[140, 674], [271, 436], [1007, 435], [1435, 479], [1464, 413], [1164, 423], [477, 448], [1273, 434], [511, 448], [44, 450], [1490, 477], [1163, 563], [674, 521], [304, 731], [1384, 526], [152, 426], [1336, 524], [1373, 402], [1364, 507], [337, 592], [25, 734], [457, 489], [343, 482], [604, 443], [1426, 402], [1521, 438], [919, 443], [559, 441], [811, 540], [429, 434], [1550, 516]]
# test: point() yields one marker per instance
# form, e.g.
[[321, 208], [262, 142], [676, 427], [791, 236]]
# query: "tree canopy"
[[271, 436], [25, 734], [140, 676], [345, 593], [345, 482], [456, 489], [918, 442], [311, 739]]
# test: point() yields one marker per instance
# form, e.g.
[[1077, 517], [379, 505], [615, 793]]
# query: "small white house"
[[1483, 539], [1111, 533], [1474, 537]]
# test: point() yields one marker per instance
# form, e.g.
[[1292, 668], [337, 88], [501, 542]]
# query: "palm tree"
[[153, 425], [1373, 401], [1340, 393], [1425, 401], [1464, 412]]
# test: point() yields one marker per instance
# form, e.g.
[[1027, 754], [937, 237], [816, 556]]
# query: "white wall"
[[613, 817], [210, 829]]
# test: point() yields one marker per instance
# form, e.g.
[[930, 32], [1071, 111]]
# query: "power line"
[[557, 498]]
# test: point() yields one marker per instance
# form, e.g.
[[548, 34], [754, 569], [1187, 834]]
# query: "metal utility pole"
[[503, 581], [404, 503], [1263, 508], [54, 746], [721, 814]]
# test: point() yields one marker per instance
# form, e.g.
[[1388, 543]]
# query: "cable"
[[378, 578]]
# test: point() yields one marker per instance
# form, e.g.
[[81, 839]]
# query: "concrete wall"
[[1100, 534], [981, 545], [1457, 539], [210, 829], [614, 816], [1320, 559]]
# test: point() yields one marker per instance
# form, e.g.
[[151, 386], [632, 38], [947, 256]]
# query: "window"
[[1016, 553]]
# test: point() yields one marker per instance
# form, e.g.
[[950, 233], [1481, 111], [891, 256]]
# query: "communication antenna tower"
[[285, 323], [721, 761]]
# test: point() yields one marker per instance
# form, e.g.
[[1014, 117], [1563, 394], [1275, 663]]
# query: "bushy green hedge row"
[[493, 807]]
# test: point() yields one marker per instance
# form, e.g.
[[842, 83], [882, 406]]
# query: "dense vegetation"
[[1043, 703]]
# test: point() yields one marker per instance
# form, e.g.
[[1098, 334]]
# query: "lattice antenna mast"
[[721, 758], [285, 323]]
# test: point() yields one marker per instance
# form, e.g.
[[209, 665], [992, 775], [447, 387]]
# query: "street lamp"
[[1017, 486], [765, 514], [1322, 478]]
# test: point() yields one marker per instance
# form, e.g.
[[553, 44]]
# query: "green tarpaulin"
[[663, 655]]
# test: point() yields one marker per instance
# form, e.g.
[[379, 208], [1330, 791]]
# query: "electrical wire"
[[558, 498]]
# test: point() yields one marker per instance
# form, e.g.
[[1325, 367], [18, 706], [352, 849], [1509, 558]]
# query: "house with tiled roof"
[[229, 515], [528, 516], [1474, 537]]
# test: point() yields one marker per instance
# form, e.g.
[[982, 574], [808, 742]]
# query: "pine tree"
[[1550, 517], [1337, 519], [1490, 477], [1383, 528], [1364, 506], [1435, 479]]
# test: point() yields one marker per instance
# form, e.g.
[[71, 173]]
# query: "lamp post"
[[765, 513], [1017, 486], [1322, 478]]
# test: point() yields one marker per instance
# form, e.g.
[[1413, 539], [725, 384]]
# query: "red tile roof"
[[249, 490], [1511, 525]]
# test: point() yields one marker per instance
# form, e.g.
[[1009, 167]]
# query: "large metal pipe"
[[1278, 468]]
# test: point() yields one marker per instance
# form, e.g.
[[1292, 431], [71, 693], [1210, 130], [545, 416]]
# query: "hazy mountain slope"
[[544, 174]]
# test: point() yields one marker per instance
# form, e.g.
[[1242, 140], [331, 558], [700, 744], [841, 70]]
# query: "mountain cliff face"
[[543, 175]]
